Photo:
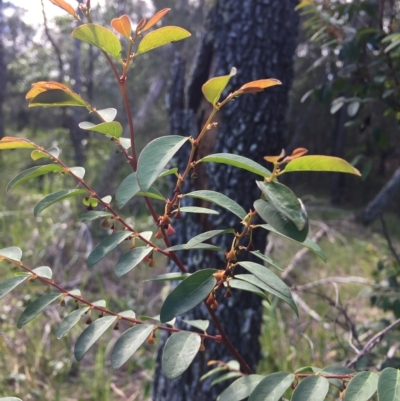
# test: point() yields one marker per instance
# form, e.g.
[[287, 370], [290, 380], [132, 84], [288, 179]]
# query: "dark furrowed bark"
[[258, 38]]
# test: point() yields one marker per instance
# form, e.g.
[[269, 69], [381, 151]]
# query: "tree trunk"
[[338, 142], [258, 37], [381, 200]]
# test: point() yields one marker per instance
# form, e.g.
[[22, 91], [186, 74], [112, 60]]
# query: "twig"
[[300, 254], [330, 280], [373, 342], [311, 312], [388, 240]]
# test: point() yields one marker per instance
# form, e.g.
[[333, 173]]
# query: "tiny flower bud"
[[164, 221], [210, 300], [214, 305], [150, 339], [219, 275], [231, 255], [159, 233], [178, 215], [170, 230], [105, 223]]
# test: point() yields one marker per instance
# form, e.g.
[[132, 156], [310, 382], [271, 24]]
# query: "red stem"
[[99, 308]]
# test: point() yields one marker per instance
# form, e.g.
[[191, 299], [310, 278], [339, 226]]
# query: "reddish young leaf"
[[122, 25], [141, 24], [65, 6], [258, 86], [299, 152], [296, 153], [155, 18], [275, 159]]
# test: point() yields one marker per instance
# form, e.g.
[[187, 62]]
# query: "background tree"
[[259, 39]]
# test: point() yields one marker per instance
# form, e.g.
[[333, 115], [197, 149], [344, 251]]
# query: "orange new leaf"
[[122, 25], [259, 86], [65, 6], [155, 18]]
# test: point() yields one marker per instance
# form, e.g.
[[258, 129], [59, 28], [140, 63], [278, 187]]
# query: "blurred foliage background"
[[345, 101]]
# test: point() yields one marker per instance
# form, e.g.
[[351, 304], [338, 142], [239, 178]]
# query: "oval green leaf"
[[38, 154], [57, 98], [195, 209], [35, 307], [213, 372], [214, 87], [226, 376], [8, 285], [168, 277], [128, 188], [106, 246], [91, 334], [321, 163], [189, 293], [170, 171], [129, 343], [284, 200], [353, 107], [56, 197], [199, 324], [131, 259], [100, 37], [33, 172], [107, 115], [93, 215], [9, 142], [43, 271], [198, 239], [70, 321], [179, 352], [389, 385], [155, 156], [77, 171], [161, 37], [246, 286], [312, 388], [207, 247], [279, 221], [361, 387], [237, 161], [127, 314], [266, 258], [152, 193], [113, 129], [12, 253], [308, 243], [220, 200], [274, 284], [241, 388], [272, 387]]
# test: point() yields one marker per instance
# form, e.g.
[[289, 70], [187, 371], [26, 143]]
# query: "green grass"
[[351, 250]]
